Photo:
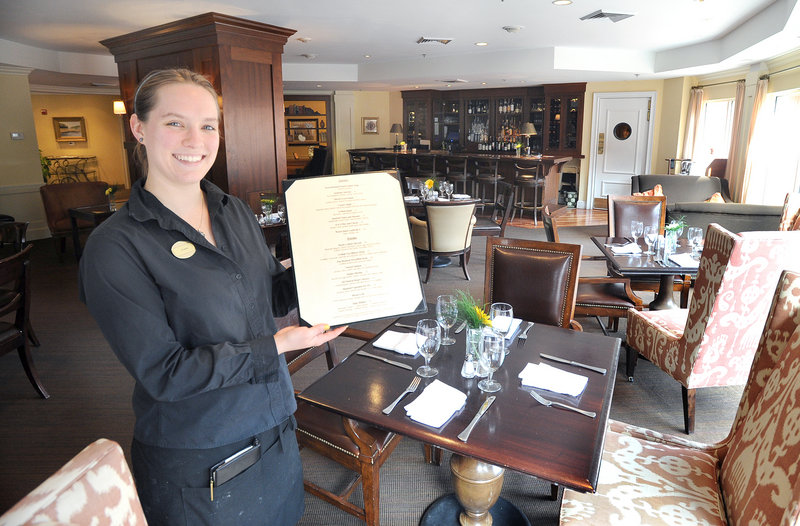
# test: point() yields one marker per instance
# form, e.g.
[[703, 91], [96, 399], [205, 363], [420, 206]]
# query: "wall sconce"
[[396, 128], [119, 107]]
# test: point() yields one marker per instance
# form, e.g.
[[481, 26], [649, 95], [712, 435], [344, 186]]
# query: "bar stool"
[[425, 166], [358, 162], [456, 173], [528, 177], [485, 175]]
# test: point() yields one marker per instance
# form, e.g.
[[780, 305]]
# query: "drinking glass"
[[491, 357], [650, 235], [695, 237], [428, 340], [281, 213], [637, 227], [446, 315], [502, 315]]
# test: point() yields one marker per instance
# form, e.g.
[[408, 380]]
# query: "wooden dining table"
[[516, 432], [95, 214]]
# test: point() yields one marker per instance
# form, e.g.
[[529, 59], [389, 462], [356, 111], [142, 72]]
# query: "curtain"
[[733, 171], [754, 152], [696, 98]]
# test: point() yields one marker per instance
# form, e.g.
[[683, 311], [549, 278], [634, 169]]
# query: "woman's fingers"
[[294, 338]]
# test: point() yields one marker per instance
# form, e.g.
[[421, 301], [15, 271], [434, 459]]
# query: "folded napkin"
[[630, 248], [543, 376], [437, 403], [684, 260], [402, 342], [508, 329], [461, 196], [411, 199]]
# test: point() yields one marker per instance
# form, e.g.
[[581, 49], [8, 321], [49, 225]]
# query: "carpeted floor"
[[90, 398]]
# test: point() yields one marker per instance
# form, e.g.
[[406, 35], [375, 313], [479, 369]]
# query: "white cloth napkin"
[[543, 376], [684, 260], [630, 248], [402, 342], [509, 330], [460, 196], [437, 403], [411, 199]]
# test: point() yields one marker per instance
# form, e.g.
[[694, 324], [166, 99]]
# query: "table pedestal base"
[[445, 511], [477, 486], [663, 299]]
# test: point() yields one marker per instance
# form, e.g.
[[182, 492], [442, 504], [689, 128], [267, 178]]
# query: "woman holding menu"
[[185, 291]]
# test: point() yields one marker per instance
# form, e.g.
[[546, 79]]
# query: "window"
[[713, 134]]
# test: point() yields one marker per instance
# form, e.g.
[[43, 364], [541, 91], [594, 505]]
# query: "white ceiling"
[[59, 40]]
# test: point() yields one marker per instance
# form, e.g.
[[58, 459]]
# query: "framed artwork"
[[369, 124], [303, 123], [301, 135], [69, 129]]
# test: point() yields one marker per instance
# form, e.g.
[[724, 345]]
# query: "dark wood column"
[[242, 59]]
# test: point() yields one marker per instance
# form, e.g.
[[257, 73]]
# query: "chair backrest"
[[59, 198], [622, 209], [503, 205], [14, 233], [425, 162], [539, 279], [528, 171], [95, 487], [358, 162], [485, 167], [449, 226], [728, 309], [15, 283], [790, 216], [760, 471], [550, 216], [387, 162], [456, 166]]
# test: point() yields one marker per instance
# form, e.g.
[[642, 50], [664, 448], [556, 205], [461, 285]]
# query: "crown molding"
[[14, 70], [41, 89]]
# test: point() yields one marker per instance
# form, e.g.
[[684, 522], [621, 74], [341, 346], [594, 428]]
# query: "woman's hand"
[[295, 338]]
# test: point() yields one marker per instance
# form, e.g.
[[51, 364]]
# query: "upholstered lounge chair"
[[446, 231], [790, 216], [750, 477], [712, 342], [59, 198]]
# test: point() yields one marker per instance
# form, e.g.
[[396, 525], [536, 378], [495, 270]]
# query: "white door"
[[622, 132]]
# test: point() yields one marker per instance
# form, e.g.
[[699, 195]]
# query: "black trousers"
[[173, 484]]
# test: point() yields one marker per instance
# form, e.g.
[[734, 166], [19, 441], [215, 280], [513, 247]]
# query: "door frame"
[[596, 98]]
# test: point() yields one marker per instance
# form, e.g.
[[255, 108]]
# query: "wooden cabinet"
[[242, 59], [536, 117], [446, 123], [307, 126], [417, 112], [563, 118]]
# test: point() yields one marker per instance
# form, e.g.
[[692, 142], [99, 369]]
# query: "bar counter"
[[551, 165]]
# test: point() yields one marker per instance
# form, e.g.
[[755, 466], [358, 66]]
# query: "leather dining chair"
[[597, 296], [15, 278], [59, 198], [711, 343], [446, 231], [495, 223], [14, 233], [650, 210], [358, 447], [752, 476], [538, 278]]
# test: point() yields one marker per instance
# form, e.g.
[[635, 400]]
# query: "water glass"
[[446, 315], [695, 237], [428, 340], [502, 316], [650, 235], [491, 357], [637, 227]]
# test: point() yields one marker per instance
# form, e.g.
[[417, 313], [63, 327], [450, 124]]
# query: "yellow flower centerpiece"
[[476, 319]]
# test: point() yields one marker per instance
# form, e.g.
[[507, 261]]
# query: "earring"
[[141, 139]]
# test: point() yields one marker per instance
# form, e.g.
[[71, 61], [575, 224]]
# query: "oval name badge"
[[183, 249]]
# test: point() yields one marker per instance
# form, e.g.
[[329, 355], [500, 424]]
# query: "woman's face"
[[181, 134]]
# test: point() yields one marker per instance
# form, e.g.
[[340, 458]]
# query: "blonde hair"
[[145, 99]]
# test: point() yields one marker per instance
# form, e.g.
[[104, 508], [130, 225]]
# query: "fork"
[[410, 389], [523, 336], [547, 403]]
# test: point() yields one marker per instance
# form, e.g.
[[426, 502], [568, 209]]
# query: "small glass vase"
[[472, 367], [112, 205], [670, 244]]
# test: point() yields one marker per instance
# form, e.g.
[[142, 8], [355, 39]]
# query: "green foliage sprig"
[[470, 311]]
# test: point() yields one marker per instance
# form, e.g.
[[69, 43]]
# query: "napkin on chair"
[[437, 403], [630, 248], [402, 342], [543, 376]]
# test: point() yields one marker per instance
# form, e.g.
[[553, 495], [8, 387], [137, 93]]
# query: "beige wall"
[[103, 132]]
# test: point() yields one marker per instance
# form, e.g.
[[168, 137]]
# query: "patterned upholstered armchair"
[[790, 216], [95, 487], [750, 477], [712, 342]]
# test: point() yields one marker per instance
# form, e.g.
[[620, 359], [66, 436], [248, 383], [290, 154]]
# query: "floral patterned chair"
[[790, 216], [712, 342], [95, 487], [750, 477]]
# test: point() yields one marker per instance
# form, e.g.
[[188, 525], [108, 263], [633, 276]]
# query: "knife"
[[576, 364], [464, 435], [461, 327], [386, 360], [406, 326]]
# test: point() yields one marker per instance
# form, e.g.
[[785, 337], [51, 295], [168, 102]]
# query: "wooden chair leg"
[[431, 257], [27, 364], [554, 491], [602, 326], [630, 362], [464, 260], [433, 454], [371, 487], [32, 335], [688, 396]]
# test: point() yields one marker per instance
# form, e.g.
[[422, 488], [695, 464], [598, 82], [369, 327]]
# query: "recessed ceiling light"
[[309, 56], [481, 43], [304, 39], [513, 29], [562, 2], [483, 83], [367, 56]]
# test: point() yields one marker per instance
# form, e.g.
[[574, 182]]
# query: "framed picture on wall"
[[69, 129], [369, 124]]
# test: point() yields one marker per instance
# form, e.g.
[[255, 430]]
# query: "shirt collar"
[[144, 206]]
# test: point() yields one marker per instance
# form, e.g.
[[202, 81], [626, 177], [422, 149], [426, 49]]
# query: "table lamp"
[[396, 128], [527, 130]]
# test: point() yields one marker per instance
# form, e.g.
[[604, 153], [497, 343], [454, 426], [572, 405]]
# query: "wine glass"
[[491, 358], [502, 315], [446, 315], [650, 235], [281, 213], [428, 340], [637, 227], [695, 237]]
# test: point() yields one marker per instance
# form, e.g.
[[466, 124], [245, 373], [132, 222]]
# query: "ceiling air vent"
[[452, 81], [425, 40], [614, 17]]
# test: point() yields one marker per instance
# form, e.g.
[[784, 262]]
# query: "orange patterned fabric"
[[656, 190], [94, 488], [716, 197], [653, 478]]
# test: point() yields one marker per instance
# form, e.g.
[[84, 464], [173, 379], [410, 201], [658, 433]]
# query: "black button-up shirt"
[[194, 329]]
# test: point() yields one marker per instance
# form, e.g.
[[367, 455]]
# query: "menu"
[[351, 249]]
